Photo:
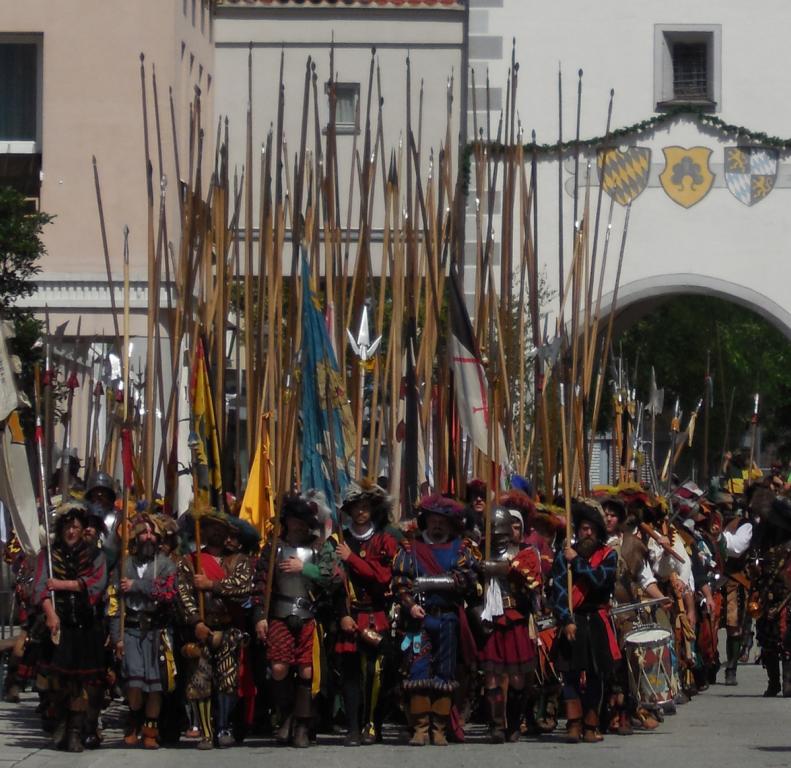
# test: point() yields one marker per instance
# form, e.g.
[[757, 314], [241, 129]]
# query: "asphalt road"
[[725, 726]]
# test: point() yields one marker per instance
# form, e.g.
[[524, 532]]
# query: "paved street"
[[722, 727]]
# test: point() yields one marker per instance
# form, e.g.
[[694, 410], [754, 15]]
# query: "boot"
[[647, 721], [283, 697], [74, 735], [150, 734], [12, 686], [303, 711], [624, 724], [371, 734], [549, 721], [772, 666], [573, 721], [786, 678], [513, 714], [134, 723], [732, 647], [419, 714], [496, 705], [225, 704], [591, 728], [440, 715]]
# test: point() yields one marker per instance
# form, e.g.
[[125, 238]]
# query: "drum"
[[648, 655]]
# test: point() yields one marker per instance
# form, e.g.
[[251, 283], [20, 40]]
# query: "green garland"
[[699, 116]]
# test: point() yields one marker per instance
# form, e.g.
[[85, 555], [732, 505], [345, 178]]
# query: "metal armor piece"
[[503, 546], [292, 596], [103, 481], [434, 584]]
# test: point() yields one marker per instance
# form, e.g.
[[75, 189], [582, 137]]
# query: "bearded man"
[[148, 587], [431, 577]]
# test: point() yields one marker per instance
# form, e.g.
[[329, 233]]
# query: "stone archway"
[[635, 298]]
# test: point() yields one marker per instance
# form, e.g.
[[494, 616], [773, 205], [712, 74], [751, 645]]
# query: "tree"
[[21, 248], [747, 354]]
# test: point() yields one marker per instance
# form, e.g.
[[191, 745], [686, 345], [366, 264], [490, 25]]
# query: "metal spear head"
[[362, 346]]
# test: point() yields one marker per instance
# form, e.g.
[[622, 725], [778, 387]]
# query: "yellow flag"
[[257, 503]]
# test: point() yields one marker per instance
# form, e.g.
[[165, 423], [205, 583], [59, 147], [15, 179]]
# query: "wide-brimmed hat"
[[207, 517], [609, 496], [374, 496], [437, 504], [589, 510], [248, 536], [548, 518], [476, 489], [296, 506]]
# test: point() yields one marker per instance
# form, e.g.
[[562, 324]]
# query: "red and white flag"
[[469, 377]]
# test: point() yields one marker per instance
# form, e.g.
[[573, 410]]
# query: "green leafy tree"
[[21, 249], [747, 355]]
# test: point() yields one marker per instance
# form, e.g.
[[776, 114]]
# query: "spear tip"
[[580, 72]]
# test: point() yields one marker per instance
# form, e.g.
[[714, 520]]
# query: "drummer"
[[587, 646], [634, 582]]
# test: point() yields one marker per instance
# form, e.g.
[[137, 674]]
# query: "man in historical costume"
[[432, 574], [477, 495], [512, 581], [710, 604], [302, 567], [771, 593], [544, 524], [672, 565], [735, 543], [634, 582], [243, 539], [211, 585], [73, 656], [23, 657], [100, 496], [148, 589], [587, 647], [366, 551]]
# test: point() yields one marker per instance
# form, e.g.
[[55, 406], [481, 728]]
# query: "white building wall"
[[718, 245]]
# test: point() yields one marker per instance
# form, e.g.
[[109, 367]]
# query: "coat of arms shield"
[[624, 174], [687, 177], [750, 172]]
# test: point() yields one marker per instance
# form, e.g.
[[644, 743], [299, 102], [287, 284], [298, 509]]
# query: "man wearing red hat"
[[432, 574]]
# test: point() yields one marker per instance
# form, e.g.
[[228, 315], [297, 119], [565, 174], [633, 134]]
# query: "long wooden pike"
[[106, 250], [251, 388], [561, 281], [613, 307], [125, 420], [148, 451]]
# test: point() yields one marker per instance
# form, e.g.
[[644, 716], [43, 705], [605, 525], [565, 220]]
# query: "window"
[[347, 101], [687, 65], [20, 93]]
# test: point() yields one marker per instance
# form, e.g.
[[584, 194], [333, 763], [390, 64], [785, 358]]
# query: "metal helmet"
[[501, 530], [501, 522], [100, 481]]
